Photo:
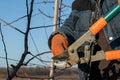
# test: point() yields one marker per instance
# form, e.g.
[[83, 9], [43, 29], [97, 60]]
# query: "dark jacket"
[[112, 31], [79, 22]]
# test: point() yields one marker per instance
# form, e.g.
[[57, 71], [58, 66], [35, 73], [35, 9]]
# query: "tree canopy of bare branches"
[[27, 33]]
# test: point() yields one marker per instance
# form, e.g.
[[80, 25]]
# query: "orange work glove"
[[58, 44], [119, 2]]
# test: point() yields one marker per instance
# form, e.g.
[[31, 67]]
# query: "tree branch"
[[16, 68], [6, 54], [35, 56], [11, 26]]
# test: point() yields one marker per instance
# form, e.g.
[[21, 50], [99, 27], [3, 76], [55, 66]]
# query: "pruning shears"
[[70, 56]]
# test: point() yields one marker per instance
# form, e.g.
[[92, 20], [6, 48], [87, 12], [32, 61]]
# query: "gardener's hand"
[[58, 44]]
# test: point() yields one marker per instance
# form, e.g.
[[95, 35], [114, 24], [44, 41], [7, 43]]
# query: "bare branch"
[[66, 5], [16, 68], [35, 56], [21, 18], [45, 2], [17, 19], [11, 26], [6, 54], [42, 26], [44, 14]]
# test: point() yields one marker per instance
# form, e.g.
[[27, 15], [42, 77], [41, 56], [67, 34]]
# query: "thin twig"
[[44, 2], [43, 26], [11, 26], [22, 18], [35, 56], [44, 14], [6, 54]]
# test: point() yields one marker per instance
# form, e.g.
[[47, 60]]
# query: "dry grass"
[[65, 77], [68, 74]]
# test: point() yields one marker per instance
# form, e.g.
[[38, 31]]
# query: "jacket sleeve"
[[76, 23], [66, 30]]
